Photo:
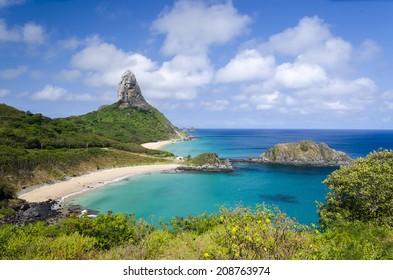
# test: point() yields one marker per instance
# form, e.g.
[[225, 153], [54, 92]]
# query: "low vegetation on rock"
[[207, 162], [304, 153]]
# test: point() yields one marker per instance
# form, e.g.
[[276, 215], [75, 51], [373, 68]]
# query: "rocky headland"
[[304, 153]]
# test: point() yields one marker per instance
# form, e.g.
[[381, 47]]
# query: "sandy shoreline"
[[89, 181], [157, 145]]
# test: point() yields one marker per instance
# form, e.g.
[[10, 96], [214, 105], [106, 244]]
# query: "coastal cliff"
[[304, 153]]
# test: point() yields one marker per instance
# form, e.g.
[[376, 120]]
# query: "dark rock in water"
[[304, 153], [280, 198]]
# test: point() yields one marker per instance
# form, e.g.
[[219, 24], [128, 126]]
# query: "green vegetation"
[[203, 159], [361, 191], [128, 124], [35, 149], [31, 167], [356, 219], [6, 192], [354, 232], [241, 233]]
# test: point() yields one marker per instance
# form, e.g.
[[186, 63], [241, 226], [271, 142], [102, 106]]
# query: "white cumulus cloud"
[[309, 32], [299, 75], [30, 33], [50, 93], [54, 93], [192, 26], [103, 64], [248, 65]]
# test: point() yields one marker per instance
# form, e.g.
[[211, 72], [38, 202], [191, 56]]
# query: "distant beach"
[[157, 145], [160, 144], [89, 181]]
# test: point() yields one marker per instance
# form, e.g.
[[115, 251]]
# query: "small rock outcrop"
[[304, 153], [26, 213], [207, 162], [130, 94]]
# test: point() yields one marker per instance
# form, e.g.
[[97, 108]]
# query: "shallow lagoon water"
[[294, 190]]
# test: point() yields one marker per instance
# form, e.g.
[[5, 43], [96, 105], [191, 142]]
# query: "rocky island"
[[304, 153], [207, 162]]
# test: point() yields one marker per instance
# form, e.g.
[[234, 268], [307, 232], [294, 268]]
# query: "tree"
[[362, 190], [6, 192]]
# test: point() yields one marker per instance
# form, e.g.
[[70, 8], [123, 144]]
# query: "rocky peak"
[[130, 94]]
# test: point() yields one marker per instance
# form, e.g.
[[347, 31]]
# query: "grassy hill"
[[128, 124], [35, 149]]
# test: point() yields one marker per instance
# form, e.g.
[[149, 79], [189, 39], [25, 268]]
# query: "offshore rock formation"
[[304, 153], [207, 162], [130, 94]]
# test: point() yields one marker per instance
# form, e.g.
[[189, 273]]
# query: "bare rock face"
[[130, 94], [304, 153]]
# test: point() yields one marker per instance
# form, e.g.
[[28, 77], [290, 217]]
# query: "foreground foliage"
[[361, 191], [241, 233]]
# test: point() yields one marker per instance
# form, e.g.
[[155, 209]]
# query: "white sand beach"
[[89, 181], [157, 145]]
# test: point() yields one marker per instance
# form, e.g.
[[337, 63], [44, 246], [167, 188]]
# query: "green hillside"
[[128, 124], [35, 149]]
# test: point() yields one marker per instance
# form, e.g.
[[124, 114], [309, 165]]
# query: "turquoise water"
[[293, 189]]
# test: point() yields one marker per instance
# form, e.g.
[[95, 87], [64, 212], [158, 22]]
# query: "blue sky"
[[207, 64]]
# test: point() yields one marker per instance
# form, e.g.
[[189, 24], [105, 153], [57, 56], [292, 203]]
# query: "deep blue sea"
[[294, 190]]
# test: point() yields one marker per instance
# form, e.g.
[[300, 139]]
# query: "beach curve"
[[86, 182], [157, 145]]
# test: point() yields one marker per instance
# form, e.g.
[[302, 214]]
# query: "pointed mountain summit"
[[131, 118], [129, 93]]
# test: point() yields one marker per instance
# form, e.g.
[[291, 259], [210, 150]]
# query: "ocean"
[[294, 190]]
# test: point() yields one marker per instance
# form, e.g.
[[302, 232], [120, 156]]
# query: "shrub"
[[6, 192], [108, 230], [354, 241], [262, 234], [362, 190], [199, 224]]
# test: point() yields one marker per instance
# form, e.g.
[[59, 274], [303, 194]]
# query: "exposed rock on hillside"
[[207, 162], [130, 94], [304, 153], [26, 213]]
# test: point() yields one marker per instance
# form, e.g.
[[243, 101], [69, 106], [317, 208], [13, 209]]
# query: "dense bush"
[[261, 234], [108, 230], [39, 241], [242, 233], [354, 241], [361, 191], [6, 192]]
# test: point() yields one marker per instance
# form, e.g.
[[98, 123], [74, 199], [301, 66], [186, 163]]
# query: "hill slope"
[[36, 149], [128, 124]]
